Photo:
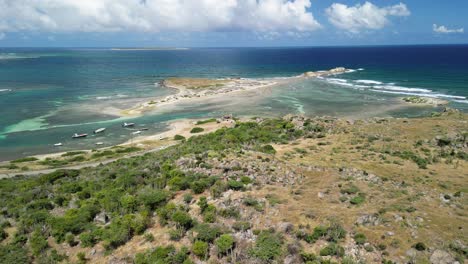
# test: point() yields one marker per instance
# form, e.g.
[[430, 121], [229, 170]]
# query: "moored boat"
[[79, 135], [128, 124], [136, 132], [99, 130], [58, 144]]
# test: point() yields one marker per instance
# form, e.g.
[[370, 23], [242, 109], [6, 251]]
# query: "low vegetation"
[[308, 190]]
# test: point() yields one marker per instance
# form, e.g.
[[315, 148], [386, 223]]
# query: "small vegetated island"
[[287, 190]]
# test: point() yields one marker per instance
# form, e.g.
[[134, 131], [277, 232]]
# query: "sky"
[[227, 23]]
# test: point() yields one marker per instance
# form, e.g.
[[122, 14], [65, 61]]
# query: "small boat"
[[128, 124], [58, 144], [99, 143], [136, 132], [79, 135], [144, 129], [99, 130]]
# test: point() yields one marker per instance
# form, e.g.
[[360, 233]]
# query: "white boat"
[[99, 130], [99, 143], [128, 124], [136, 132], [79, 135], [58, 144]]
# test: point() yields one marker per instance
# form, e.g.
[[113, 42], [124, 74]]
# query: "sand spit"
[[190, 88]]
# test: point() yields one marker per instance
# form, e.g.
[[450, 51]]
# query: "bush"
[[350, 189], [153, 198], [235, 185], [182, 219], [25, 159], [179, 137], [207, 232], [149, 237], [203, 204], [70, 239], [224, 243], [360, 238], [332, 249], [268, 246], [267, 149], [200, 249], [13, 253], [206, 121], [420, 246], [38, 243], [188, 198], [197, 130], [3, 234], [176, 234], [357, 200], [88, 239], [241, 226]]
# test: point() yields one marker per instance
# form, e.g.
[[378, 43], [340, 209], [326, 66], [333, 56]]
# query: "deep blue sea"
[[46, 95]]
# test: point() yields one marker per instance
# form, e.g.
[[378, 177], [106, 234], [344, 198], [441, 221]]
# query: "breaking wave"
[[392, 88]]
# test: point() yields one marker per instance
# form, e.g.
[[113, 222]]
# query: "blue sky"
[[211, 23]]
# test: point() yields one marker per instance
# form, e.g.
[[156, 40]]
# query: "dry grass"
[[195, 83]]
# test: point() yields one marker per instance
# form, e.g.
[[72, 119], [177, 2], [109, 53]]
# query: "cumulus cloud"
[[156, 15], [367, 16], [445, 30]]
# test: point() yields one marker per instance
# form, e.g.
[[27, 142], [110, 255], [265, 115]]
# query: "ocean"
[[47, 95]]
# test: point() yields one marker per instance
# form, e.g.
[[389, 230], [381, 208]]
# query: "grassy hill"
[[292, 190]]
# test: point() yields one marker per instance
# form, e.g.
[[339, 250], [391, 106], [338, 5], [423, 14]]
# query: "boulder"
[[441, 257]]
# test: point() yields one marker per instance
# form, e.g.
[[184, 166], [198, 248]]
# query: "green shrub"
[[268, 246], [360, 238], [207, 232], [182, 219], [70, 239], [73, 153], [359, 199], [188, 198], [201, 122], [203, 204], [269, 149], [241, 226], [176, 234], [14, 253], [179, 137], [420, 246], [3, 234], [153, 198], [88, 239], [350, 189], [148, 237], [246, 180], [224, 243], [235, 185], [200, 249], [25, 159], [332, 249], [197, 130], [38, 243], [230, 212]]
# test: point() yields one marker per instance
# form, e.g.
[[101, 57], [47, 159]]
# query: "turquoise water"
[[46, 95]]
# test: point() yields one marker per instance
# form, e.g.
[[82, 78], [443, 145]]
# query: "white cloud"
[[445, 30], [366, 16], [156, 15]]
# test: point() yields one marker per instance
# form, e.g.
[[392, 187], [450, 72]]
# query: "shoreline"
[[146, 143], [193, 94]]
